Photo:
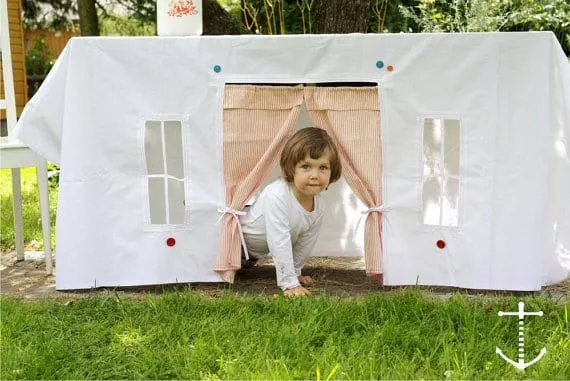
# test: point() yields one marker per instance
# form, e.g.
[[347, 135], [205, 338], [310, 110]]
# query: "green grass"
[[30, 209], [405, 335], [182, 335]]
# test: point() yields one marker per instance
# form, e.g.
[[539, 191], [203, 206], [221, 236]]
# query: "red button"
[[441, 244], [171, 241]]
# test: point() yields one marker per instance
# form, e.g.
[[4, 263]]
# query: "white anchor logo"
[[521, 365]]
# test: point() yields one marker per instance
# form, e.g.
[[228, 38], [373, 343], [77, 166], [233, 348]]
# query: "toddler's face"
[[312, 176]]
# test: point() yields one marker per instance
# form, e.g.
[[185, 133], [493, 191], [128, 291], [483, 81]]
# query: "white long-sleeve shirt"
[[277, 224]]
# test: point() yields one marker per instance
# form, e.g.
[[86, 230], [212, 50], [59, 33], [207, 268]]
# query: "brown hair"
[[313, 142]]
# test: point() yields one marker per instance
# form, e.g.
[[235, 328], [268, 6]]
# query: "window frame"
[[146, 176], [422, 177]]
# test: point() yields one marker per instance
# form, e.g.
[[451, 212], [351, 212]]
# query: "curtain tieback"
[[374, 209], [236, 213], [377, 209]]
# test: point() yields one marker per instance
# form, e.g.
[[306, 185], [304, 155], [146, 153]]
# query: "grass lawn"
[[409, 334], [403, 335], [30, 209]]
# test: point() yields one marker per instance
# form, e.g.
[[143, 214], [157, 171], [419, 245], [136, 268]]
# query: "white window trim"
[[185, 128], [420, 127]]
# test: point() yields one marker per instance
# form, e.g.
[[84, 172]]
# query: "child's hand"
[[305, 280], [296, 291]]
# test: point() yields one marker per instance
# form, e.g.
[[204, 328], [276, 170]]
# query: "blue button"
[[217, 68], [379, 64]]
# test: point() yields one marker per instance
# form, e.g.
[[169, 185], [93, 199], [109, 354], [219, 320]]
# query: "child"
[[286, 218]]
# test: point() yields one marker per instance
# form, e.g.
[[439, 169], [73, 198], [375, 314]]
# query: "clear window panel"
[[157, 200], [173, 144], [176, 201], [441, 150], [153, 147], [431, 201], [433, 135], [450, 207], [451, 147]]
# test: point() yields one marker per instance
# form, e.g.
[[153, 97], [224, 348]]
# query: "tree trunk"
[[217, 21], [341, 16], [88, 19]]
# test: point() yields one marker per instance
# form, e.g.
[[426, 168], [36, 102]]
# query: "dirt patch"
[[27, 279], [338, 276]]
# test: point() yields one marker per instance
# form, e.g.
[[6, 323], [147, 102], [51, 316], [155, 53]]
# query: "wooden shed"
[[18, 57]]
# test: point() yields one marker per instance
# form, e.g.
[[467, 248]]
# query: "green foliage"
[[39, 62], [553, 15], [457, 15], [183, 335], [111, 25], [143, 11], [385, 16], [297, 16], [277, 16], [492, 15], [233, 7], [30, 208], [39, 58], [52, 14], [53, 176]]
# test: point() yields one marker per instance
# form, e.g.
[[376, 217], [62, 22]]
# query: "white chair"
[[15, 155]]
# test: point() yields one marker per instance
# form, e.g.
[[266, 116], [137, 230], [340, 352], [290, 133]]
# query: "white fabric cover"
[[510, 92]]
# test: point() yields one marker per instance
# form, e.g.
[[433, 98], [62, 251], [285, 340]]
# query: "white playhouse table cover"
[[510, 93]]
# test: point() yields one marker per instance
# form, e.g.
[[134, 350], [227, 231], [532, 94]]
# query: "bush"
[[492, 15], [39, 58], [38, 63], [53, 175], [553, 15], [457, 16], [124, 26]]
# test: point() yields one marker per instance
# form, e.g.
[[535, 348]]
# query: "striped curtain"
[[257, 121], [351, 116]]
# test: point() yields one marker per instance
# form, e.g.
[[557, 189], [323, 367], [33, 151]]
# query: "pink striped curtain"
[[257, 121], [351, 116]]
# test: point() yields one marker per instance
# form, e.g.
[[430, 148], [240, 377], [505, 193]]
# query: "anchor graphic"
[[521, 365]]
